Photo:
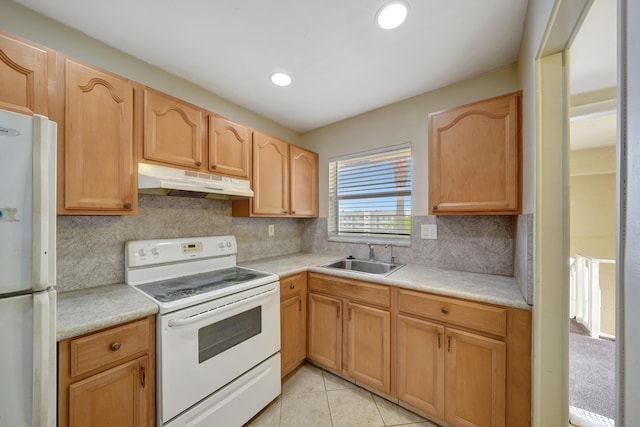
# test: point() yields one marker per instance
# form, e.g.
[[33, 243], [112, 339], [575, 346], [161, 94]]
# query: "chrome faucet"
[[371, 253], [393, 259]]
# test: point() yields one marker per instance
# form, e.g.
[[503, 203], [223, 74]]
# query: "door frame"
[[550, 404]]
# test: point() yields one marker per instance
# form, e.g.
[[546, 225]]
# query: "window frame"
[[333, 220]]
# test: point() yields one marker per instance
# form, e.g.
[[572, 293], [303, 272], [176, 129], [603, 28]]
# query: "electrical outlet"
[[272, 231], [429, 231]]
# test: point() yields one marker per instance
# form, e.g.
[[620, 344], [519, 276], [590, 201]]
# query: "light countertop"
[[91, 309], [492, 289]]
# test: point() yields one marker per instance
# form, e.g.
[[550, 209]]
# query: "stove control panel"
[[141, 253]]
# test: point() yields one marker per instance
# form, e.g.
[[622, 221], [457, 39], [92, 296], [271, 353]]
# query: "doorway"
[[592, 217]]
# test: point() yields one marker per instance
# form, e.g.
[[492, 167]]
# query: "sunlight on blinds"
[[370, 194]]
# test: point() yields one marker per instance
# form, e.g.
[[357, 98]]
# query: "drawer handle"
[[292, 286], [115, 346], [444, 310]]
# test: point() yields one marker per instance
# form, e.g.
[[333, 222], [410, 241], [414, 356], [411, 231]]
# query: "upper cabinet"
[[270, 175], [229, 147], [285, 180], [25, 70], [96, 170], [304, 182], [173, 131], [475, 158]]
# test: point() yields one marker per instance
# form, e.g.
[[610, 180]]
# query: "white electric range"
[[218, 331]]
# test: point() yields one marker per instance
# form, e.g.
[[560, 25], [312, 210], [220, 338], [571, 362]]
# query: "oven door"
[[203, 348]]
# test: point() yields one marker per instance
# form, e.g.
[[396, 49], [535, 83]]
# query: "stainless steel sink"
[[364, 266]]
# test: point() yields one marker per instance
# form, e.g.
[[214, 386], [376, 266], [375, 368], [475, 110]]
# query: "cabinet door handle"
[[143, 376], [198, 164], [444, 310], [299, 305], [338, 311], [449, 343], [293, 212], [292, 286], [214, 166], [115, 346], [439, 335], [127, 205], [434, 208]]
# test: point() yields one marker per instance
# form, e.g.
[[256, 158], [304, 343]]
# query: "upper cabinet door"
[[270, 175], [475, 158], [172, 131], [229, 147], [24, 71], [98, 144], [304, 182]]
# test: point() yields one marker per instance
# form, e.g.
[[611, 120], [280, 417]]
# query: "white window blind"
[[370, 194]]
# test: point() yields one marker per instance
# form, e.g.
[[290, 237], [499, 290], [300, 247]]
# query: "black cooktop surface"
[[196, 284]]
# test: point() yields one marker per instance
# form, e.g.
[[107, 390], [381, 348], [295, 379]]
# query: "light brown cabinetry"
[[467, 377], [25, 72], [303, 187], [108, 378], [350, 329], [293, 321], [96, 170], [229, 147], [270, 175], [325, 331], [285, 180], [475, 158], [173, 131]]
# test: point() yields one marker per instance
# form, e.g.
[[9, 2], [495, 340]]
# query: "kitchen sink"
[[364, 266]]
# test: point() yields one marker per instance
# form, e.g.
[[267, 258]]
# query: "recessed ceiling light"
[[281, 79], [392, 14]]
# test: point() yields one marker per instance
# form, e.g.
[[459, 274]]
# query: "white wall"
[[405, 121], [628, 226], [30, 25]]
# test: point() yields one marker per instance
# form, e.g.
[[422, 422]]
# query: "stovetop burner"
[[196, 284]]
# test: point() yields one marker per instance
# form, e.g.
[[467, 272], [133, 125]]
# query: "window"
[[370, 196]]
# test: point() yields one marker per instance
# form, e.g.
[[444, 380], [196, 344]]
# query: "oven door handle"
[[218, 310]]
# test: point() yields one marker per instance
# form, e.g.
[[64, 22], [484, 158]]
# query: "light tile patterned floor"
[[315, 398]]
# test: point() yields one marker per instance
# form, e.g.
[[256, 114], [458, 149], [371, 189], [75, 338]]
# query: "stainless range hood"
[[164, 181]]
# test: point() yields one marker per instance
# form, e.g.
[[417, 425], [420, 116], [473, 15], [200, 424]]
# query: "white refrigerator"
[[27, 270]]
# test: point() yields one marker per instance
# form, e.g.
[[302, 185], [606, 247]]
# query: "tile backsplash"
[[479, 244], [91, 248]]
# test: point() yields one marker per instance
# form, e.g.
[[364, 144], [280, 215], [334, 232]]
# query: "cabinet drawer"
[[353, 290], [292, 285], [485, 318], [111, 345]]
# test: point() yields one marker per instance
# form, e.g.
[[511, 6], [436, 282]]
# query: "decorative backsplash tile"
[[91, 248], [479, 244], [523, 258]]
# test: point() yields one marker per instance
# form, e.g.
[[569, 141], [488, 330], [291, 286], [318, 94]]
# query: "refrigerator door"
[[16, 361], [16, 206], [28, 360]]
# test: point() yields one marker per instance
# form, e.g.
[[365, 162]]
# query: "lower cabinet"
[[350, 329], [466, 363], [107, 378], [293, 321], [463, 362], [453, 375]]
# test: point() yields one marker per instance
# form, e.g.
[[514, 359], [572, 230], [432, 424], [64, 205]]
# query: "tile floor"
[[312, 397]]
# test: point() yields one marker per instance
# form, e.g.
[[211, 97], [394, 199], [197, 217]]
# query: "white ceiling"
[[341, 63], [593, 67]]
